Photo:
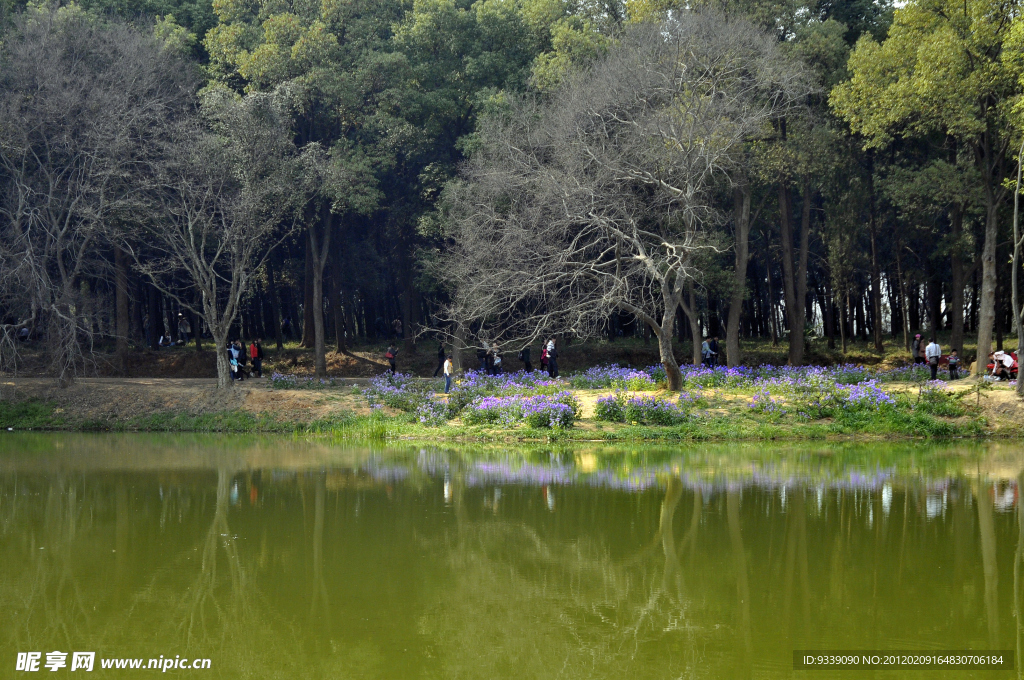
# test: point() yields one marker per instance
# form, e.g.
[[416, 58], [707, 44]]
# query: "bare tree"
[[231, 186], [602, 198], [80, 102]]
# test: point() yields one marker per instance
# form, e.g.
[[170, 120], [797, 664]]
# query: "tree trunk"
[[156, 323], [1018, 315], [741, 203], [122, 310], [668, 359], [319, 246], [796, 349], [690, 310], [409, 344], [986, 310], [459, 345], [794, 313], [308, 323], [275, 305], [876, 276], [223, 367], [957, 282]]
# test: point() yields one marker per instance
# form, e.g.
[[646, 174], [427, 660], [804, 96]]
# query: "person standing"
[[256, 354], [449, 369], [552, 359], [440, 359], [184, 329], [954, 364], [524, 356], [543, 357], [713, 346], [915, 350], [931, 354], [391, 355], [705, 353]]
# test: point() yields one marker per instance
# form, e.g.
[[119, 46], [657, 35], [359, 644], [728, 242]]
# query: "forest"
[[342, 172]]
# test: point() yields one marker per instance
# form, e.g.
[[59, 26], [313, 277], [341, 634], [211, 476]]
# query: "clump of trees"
[[506, 170]]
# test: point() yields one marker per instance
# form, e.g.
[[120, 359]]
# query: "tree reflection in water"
[[437, 565]]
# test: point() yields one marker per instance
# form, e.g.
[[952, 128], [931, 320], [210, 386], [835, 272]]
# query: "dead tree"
[[602, 197]]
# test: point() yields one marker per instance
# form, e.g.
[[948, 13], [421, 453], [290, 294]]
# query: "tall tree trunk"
[[794, 274], [741, 210], [986, 309], [876, 276], [957, 282], [275, 304], [156, 323], [308, 296], [336, 298], [122, 309], [1018, 313], [409, 342], [788, 274], [689, 306], [319, 247]]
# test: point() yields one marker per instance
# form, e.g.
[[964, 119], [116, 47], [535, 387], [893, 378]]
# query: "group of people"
[[240, 356], [931, 354], [490, 360], [709, 352]]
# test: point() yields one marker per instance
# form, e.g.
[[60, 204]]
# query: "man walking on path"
[[931, 354], [449, 369]]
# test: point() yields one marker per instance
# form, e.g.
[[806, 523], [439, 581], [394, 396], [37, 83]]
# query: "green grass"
[[944, 417]]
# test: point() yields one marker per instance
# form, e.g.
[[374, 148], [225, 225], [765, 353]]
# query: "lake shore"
[[195, 405]]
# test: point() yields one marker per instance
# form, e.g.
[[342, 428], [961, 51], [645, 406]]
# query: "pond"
[[285, 558]]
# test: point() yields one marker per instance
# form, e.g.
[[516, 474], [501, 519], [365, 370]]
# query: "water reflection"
[[283, 558]]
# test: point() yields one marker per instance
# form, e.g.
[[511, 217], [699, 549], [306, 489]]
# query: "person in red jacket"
[[256, 354]]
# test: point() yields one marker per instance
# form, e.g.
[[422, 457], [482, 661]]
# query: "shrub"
[[433, 412], [938, 401], [609, 409], [764, 403], [556, 411], [399, 391], [651, 410]]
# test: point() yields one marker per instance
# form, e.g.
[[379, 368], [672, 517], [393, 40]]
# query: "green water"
[[279, 558]]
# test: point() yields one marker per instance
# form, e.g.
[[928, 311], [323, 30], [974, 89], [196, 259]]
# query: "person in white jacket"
[[932, 353]]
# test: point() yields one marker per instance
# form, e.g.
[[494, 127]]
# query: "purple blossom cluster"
[[619, 377], [764, 403], [646, 409], [433, 412], [399, 391], [558, 410], [868, 394], [287, 381]]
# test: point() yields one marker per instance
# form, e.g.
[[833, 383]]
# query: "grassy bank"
[[725, 425]]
